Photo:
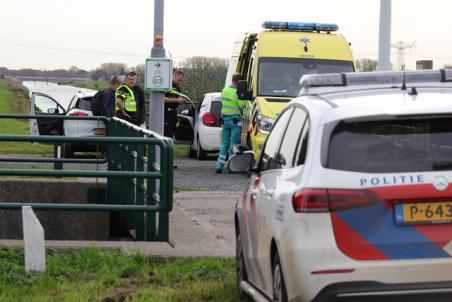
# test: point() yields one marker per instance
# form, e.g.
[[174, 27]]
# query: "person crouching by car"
[[126, 101]]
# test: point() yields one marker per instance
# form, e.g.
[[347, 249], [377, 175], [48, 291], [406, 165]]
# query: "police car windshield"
[[281, 76], [395, 146]]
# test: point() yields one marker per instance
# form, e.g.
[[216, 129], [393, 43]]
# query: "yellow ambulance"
[[272, 63]]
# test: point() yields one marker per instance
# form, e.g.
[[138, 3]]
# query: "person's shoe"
[[218, 171]]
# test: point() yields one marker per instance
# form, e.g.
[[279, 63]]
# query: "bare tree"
[[366, 65], [140, 70], [110, 69], [73, 71], [203, 75]]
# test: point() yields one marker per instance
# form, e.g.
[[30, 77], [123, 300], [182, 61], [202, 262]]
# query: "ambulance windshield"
[[281, 76]]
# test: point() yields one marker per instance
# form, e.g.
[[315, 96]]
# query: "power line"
[[81, 51], [432, 57], [416, 55], [93, 52]]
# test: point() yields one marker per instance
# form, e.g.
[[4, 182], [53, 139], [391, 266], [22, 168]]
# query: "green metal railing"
[[139, 175]]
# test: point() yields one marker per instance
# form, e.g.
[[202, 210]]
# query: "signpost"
[[158, 77], [154, 81], [158, 74]]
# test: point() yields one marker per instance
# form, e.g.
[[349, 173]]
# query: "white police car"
[[351, 197]]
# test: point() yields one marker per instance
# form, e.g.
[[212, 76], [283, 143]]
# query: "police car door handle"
[[255, 192], [268, 192]]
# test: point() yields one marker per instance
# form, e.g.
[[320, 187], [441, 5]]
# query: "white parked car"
[[80, 105], [207, 126], [199, 127], [351, 197]]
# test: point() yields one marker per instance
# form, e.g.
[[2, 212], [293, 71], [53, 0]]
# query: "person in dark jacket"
[[108, 97], [141, 111], [172, 102]]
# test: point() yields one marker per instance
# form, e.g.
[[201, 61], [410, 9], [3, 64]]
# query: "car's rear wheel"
[[191, 153], [68, 151], [240, 265], [279, 287], [200, 153]]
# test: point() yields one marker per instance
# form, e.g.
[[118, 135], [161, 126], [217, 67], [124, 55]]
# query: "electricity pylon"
[[401, 48]]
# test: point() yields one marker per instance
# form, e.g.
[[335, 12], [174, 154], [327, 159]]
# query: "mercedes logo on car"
[[440, 183]]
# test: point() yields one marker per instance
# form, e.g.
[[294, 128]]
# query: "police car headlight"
[[265, 124]]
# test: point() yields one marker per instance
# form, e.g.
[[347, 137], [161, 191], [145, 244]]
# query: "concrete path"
[[201, 224]]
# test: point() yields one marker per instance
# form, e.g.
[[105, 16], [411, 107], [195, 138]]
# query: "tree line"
[[203, 74]]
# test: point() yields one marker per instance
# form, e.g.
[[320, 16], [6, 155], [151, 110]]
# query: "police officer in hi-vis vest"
[[231, 112], [126, 102]]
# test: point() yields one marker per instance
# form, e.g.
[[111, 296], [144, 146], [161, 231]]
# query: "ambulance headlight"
[[265, 124]]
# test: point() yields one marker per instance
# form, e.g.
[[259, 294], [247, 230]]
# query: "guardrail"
[[139, 189]]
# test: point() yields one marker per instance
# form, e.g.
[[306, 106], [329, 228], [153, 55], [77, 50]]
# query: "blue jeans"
[[231, 134]]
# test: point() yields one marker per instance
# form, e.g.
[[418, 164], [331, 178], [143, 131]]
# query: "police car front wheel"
[[241, 270], [279, 287]]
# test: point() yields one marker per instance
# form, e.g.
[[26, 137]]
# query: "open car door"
[[42, 104], [183, 133]]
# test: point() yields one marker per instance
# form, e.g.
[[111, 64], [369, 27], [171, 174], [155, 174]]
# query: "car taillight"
[[78, 113], [325, 200], [348, 199], [208, 119], [311, 201]]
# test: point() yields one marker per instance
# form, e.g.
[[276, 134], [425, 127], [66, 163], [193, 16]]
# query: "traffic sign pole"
[[384, 53], [156, 103]]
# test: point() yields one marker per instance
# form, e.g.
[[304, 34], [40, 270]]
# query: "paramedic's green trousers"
[[231, 133]]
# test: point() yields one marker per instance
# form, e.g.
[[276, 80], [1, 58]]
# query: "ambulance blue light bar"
[[300, 26]]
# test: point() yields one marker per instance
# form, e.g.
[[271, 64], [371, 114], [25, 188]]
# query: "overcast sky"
[[49, 34]]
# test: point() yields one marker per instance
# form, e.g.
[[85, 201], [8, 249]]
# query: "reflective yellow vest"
[[130, 103], [231, 104]]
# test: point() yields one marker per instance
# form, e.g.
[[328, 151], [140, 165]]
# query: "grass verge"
[[14, 99], [180, 150], [105, 275]]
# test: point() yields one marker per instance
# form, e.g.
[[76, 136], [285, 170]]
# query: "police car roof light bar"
[[376, 78], [300, 26]]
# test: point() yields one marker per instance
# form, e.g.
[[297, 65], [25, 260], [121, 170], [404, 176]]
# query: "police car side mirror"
[[242, 91]]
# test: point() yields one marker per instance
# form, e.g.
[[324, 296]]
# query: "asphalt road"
[[200, 175], [190, 175]]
